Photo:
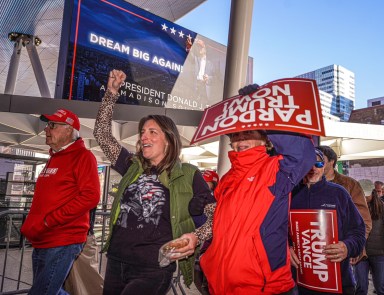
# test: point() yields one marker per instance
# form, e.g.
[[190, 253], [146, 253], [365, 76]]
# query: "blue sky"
[[292, 37]]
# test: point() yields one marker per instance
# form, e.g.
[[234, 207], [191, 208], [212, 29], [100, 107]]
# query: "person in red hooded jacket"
[[249, 253], [66, 190]]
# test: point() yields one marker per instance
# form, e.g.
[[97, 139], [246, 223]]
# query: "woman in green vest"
[[154, 203]]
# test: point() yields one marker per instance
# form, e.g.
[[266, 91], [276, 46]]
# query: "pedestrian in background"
[[375, 246], [315, 192], [357, 194], [379, 188]]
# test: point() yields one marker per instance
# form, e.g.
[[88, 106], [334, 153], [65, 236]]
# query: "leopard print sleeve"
[[204, 232], [103, 128]]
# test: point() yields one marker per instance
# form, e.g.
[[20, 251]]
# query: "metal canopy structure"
[[354, 141], [20, 126], [43, 18]]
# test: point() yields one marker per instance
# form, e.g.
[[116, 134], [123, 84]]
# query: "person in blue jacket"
[[315, 192]]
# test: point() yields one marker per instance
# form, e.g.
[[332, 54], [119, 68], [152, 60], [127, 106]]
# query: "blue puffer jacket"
[[351, 228]]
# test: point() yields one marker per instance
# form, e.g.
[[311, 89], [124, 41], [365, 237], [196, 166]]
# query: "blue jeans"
[[376, 264], [361, 271], [126, 279], [50, 268]]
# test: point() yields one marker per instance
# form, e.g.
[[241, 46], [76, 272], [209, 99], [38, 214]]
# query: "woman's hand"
[[187, 250], [116, 78]]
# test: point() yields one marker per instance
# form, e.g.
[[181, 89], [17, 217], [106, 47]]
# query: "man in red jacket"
[[66, 190]]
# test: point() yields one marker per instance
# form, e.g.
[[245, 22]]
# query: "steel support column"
[[30, 42], [236, 63], [37, 68], [13, 67]]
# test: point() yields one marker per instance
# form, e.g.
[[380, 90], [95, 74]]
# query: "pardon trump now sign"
[[286, 104], [311, 230]]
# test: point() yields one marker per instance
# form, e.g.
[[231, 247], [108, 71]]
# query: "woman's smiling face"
[[153, 142]]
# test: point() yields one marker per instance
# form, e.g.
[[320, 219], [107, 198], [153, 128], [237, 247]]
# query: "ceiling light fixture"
[[26, 38]]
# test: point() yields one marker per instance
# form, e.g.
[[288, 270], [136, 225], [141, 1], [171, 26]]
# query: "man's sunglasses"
[[319, 164], [52, 125]]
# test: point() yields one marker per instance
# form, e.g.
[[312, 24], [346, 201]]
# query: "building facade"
[[326, 103], [367, 171], [375, 101], [338, 82]]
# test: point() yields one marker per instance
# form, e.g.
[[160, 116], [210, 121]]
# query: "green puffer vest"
[[181, 192]]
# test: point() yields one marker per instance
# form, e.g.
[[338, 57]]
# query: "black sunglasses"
[[319, 164]]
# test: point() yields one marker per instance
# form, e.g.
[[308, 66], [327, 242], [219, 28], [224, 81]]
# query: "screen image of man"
[[204, 72]]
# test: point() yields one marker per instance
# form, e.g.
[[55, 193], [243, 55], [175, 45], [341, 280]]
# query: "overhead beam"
[[353, 130], [88, 109], [356, 146]]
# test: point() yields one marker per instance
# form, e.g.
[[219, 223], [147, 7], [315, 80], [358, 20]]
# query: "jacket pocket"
[[33, 228], [258, 262]]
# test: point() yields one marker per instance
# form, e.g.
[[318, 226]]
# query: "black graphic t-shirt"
[[143, 224]]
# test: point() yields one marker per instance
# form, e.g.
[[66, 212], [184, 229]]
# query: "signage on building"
[[166, 65]]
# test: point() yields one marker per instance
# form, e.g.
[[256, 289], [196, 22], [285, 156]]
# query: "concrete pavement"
[[18, 273]]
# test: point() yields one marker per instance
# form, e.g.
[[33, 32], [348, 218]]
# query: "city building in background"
[[326, 103], [340, 83], [375, 101], [367, 171], [371, 115]]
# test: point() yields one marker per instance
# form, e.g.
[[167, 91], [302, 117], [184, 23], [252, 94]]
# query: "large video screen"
[[166, 65]]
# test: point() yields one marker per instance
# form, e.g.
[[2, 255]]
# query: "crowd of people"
[[236, 228]]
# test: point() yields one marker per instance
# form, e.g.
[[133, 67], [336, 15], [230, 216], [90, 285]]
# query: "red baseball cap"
[[63, 116], [210, 176]]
